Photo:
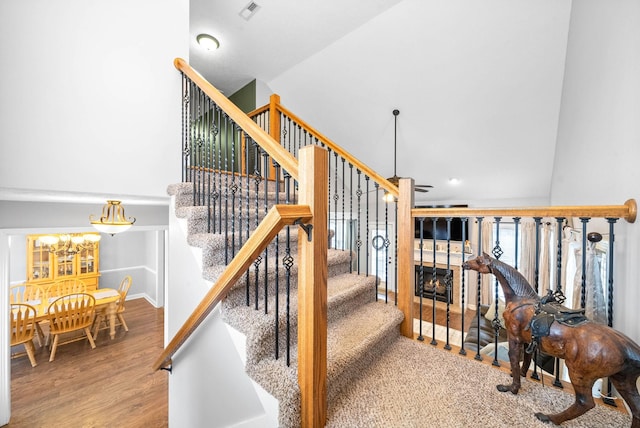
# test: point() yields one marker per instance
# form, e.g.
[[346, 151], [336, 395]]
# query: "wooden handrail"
[[628, 211], [384, 183], [278, 217], [286, 160]]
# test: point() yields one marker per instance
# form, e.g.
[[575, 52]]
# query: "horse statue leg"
[[526, 360], [584, 402], [625, 383], [515, 351]]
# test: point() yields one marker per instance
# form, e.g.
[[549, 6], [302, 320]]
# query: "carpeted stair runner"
[[359, 328]]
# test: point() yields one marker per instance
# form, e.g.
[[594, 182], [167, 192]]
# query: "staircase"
[[359, 328]]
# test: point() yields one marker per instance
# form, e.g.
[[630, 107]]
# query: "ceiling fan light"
[[388, 197]]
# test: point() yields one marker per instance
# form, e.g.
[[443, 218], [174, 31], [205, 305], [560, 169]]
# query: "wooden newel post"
[[406, 276], [312, 288]]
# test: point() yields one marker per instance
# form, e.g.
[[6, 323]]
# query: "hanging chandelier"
[[112, 220], [70, 244]]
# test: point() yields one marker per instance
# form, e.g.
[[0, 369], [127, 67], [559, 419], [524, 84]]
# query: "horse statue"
[[590, 350]]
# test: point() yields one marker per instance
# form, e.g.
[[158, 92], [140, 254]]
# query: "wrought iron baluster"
[[377, 247], [276, 167], [559, 222], [463, 283], [329, 198], [359, 214], [185, 133], [257, 179], [448, 283], [395, 253], [265, 157], [366, 221], [247, 144], [607, 398], [478, 290], [387, 244], [420, 284], [537, 221], [434, 279], [497, 253], [336, 197]]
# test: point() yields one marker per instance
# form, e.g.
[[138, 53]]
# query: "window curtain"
[[544, 278], [528, 255], [486, 281], [527, 264]]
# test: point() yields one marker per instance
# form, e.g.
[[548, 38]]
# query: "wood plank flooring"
[[111, 385]]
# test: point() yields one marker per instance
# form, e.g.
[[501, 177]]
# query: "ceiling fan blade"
[[421, 190], [427, 186]]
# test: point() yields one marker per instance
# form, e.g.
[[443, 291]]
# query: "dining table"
[[106, 301]]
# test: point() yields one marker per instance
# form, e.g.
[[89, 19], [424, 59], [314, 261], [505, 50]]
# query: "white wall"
[[208, 386], [599, 133], [477, 83], [90, 95], [90, 104]]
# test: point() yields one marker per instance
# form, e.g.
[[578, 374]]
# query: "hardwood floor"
[[111, 385]]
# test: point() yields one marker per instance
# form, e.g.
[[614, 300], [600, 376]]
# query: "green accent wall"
[[245, 98]]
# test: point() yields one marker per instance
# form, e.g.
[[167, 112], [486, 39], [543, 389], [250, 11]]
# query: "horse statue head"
[[512, 281]]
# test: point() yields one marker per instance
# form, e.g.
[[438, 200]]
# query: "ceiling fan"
[[424, 188]]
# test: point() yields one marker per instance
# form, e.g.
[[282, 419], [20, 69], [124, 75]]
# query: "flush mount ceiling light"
[[112, 220], [208, 42]]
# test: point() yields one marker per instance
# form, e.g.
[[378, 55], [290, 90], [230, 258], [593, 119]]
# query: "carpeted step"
[[339, 262], [224, 200], [354, 342], [214, 252], [344, 292]]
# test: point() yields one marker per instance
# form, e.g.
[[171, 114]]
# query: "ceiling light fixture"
[[208, 42], [112, 220], [69, 244]]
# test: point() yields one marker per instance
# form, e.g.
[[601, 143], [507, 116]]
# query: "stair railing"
[[427, 256], [237, 173], [362, 203]]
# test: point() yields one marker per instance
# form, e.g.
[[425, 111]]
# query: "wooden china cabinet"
[[45, 267]]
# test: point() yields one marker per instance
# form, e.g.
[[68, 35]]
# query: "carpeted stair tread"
[[259, 328], [213, 245], [353, 343], [338, 261]]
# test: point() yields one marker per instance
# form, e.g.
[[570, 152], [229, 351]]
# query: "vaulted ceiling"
[[478, 83]]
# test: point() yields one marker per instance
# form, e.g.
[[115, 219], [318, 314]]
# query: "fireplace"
[[435, 285]]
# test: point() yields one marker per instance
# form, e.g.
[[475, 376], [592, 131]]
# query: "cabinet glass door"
[[41, 261], [65, 265], [87, 261]]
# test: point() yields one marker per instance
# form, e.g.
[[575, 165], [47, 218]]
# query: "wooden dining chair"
[[31, 295], [64, 287], [123, 290], [23, 328], [73, 312], [21, 293]]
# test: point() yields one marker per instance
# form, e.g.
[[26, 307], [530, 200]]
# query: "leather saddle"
[[548, 311]]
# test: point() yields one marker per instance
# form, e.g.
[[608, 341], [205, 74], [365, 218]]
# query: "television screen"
[[441, 226]]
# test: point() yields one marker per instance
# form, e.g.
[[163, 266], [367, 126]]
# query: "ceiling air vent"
[[249, 10]]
